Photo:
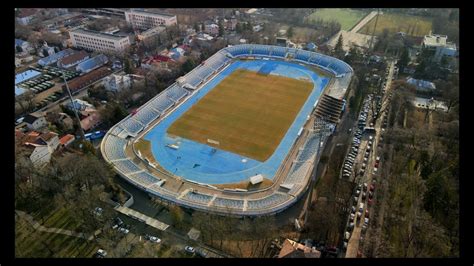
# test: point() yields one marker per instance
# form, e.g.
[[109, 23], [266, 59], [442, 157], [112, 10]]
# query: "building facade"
[[117, 82], [147, 19], [440, 45], [98, 41]]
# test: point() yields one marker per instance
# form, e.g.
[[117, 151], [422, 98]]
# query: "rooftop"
[[65, 139], [155, 13], [100, 34], [72, 58], [435, 40]]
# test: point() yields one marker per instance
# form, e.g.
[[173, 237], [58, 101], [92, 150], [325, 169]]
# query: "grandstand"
[[286, 190]]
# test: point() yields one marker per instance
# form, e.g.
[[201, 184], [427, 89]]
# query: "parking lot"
[[365, 172]]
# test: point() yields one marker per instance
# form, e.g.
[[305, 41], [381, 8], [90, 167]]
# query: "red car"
[[366, 213], [370, 201], [372, 187]]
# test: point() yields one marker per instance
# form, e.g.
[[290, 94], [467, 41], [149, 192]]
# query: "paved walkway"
[[364, 21], [37, 226], [142, 217]]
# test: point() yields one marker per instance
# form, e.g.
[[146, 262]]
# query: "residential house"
[[66, 140], [35, 121], [26, 15], [117, 82], [91, 120], [293, 249], [25, 46], [40, 146], [79, 105], [211, 29]]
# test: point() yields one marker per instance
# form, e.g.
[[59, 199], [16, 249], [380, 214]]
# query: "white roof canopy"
[[256, 179]]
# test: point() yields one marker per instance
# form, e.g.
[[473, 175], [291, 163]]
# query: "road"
[[364, 21], [356, 236]]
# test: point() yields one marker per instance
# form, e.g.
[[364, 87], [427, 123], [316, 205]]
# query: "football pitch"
[[247, 113]]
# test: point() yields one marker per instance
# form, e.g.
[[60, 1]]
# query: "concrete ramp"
[[142, 217]]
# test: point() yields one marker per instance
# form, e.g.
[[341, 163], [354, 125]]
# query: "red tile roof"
[[65, 139]]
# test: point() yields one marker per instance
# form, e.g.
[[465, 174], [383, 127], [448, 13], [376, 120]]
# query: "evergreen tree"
[[289, 33], [196, 27], [221, 28], [404, 60], [45, 52], [19, 49], [338, 51]]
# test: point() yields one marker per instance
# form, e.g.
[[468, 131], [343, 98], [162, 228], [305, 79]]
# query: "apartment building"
[[98, 41], [149, 19]]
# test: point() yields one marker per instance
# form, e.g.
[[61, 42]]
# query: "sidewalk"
[[37, 226]]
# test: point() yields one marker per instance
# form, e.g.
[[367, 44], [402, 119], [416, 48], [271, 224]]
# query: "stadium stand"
[[267, 202], [197, 197], [114, 148], [176, 93], [127, 166], [145, 178], [228, 203], [132, 126], [115, 141]]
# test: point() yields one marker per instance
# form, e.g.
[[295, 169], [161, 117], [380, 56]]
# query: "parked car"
[[189, 249], [123, 230], [364, 186], [155, 239], [370, 202], [101, 253], [372, 187]]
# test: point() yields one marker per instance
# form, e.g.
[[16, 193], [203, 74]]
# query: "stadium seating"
[[145, 178], [261, 50], [162, 103], [132, 126], [114, 147], [197, 197], [176, 93], [126, 166], [146, 115], [267, 202], [228, 203], [279, 51], [116, 131]]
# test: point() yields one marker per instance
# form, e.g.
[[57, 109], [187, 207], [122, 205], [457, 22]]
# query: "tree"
[[196, 27], [45, 52], [404, 60], [289, 33], [338, 50], [127, 66], [221, 27], [188, 65], [238, 27], [19, 49], [177, 215]]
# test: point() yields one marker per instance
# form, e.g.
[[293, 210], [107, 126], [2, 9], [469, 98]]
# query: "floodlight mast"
[[74, 108]]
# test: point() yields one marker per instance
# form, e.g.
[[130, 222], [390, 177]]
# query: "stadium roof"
[[100, 34]]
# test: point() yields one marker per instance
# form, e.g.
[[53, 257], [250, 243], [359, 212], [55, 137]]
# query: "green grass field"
[[348, 18], [411, 25], [248, 113]]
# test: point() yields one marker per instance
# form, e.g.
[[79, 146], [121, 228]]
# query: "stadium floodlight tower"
[[74, 107]]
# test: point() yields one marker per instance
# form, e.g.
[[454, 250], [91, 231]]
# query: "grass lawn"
[[348, 18], [35, 244], [248, 113], [411, 25]]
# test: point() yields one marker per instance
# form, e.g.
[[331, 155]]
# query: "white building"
[[34, 121], [117, 82], [441, 46], [431, 104], [41, 146], [144, 35], [212, 29], [80, 105], [98, 41], [148, 19]]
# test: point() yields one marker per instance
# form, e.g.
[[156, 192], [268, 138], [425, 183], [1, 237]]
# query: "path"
[[364, 21], [37, 226], [142, 217]]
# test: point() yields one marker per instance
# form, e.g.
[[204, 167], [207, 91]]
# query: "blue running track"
[[201, 163]]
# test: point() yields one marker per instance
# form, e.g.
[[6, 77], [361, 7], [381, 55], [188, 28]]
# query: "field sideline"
[[248, 113], [411, 25]]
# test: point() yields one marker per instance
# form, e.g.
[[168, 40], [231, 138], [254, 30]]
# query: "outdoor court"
[[253, 108]]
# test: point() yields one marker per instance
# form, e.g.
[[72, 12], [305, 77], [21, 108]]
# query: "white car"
[[189, 249], [124, 230], [101, 253], [155, 239]]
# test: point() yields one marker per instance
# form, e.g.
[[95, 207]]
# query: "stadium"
[[239, 135]]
